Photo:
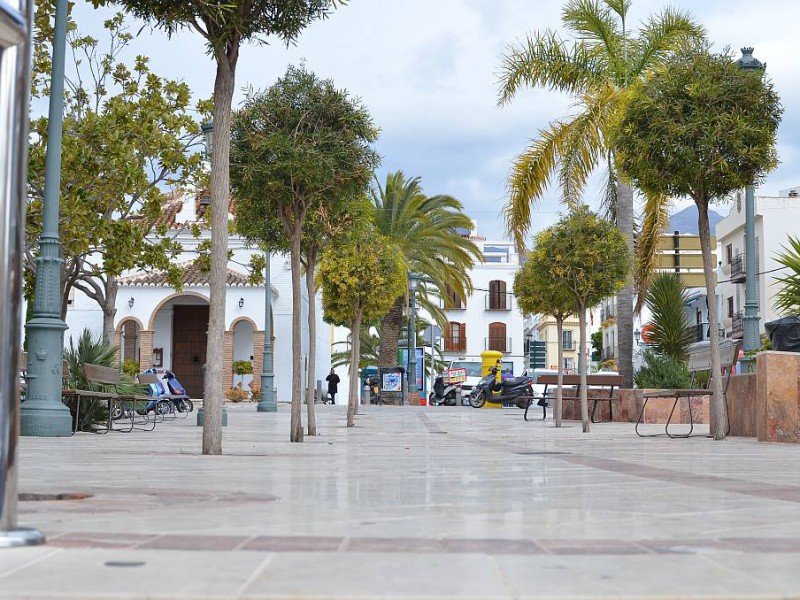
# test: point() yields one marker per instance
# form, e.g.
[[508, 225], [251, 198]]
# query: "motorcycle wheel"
[[432, 399], [450, 399], [185, 405], [477, 400], [523, 402], [164, 407]]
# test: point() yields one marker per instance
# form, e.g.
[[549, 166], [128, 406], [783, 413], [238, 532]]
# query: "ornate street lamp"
[[413, 282], [43, 413], [751, 339]]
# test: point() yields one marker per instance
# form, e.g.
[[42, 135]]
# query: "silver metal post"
[[44, 414], [15, 60], [268, 403]]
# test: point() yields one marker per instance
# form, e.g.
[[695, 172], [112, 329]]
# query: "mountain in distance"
[[685, 220]]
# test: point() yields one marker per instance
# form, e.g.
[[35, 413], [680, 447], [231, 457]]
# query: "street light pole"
[[268, 403], [751, 318], [413, 280], [43, 413]]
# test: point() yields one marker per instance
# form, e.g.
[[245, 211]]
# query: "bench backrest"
[[700, 356], [594, 379], [103, 375], [147, 378]]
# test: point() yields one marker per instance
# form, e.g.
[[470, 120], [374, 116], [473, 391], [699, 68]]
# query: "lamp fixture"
[[638, 335], [130, 303], [241, 302]]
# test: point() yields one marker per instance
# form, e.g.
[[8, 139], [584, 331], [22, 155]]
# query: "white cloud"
[[427, 70]]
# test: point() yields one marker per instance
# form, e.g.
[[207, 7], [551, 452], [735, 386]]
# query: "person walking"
[[333, 385]]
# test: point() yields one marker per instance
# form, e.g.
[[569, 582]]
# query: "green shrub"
[[130, 367], [662, 372]]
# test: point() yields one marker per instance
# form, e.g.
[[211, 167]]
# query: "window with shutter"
[[497, 295], [497, 337], [452, 301], [455, 340]]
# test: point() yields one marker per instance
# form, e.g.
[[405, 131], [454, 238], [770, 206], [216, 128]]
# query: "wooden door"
[[189, 338]]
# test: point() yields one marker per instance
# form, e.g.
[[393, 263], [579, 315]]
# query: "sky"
[[427, 72]]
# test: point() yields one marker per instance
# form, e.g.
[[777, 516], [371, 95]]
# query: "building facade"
[[157, 326], [776, 219]]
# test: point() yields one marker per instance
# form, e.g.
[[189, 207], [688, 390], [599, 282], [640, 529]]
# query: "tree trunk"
[[311, 260], [560, 387], [391, 324], [220, 193], [110, 309], [582, 367], [718, 399], [355, 358], [625, 295], [296, 424]]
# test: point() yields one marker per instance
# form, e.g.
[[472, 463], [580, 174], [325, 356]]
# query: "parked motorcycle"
[[182, 402], [516, 389], [444, 394]]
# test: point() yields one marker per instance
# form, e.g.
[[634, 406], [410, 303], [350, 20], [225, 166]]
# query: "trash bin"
[[784, 334]]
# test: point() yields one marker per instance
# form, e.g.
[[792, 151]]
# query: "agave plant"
[[787, 300], [671, 335]]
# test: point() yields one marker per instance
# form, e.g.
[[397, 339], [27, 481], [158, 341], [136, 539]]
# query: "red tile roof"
[[193, 276]]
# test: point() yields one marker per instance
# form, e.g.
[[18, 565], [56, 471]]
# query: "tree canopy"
[[128, 134], [699, 127]]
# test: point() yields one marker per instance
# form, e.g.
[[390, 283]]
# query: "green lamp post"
[[43, 413], [751, 318], [268, 403]]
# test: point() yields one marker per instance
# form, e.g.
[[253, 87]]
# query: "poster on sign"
[[454, 376]]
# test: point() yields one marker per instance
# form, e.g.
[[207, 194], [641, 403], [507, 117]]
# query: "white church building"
[[158, 326]]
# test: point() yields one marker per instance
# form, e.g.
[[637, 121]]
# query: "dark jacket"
[[333, 382]]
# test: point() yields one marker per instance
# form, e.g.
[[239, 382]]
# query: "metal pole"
[[752, 338], [268, 403], [43, 413], [412, 344], [432, 360], [751, 318], [15, 60]]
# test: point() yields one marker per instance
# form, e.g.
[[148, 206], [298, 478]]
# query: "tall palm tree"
[[429, 232], [597, 70]]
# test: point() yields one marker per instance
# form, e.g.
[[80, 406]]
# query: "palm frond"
[[544, 60], [593, 23], [662, 34], [787, 300], [655, 219], [608, 202], [666, 298]]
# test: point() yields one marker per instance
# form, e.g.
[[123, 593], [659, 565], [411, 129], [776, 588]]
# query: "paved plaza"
[[414, 502]]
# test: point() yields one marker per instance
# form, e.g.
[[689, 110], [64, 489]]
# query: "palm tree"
[[429, 233], [787, 300], [666, 299], [597, 70]]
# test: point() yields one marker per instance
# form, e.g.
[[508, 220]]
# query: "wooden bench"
[[572, 384], [98, 376], [699, 360]]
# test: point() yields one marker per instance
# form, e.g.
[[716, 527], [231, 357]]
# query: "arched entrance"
[[129, 345], [180, 330], [243, 348]]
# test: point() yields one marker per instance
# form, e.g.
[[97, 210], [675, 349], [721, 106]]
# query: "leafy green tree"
[[127, 135], [360, 277], [428, 230], [539, 290], [589, 257], [666, 299], [787, 300], [300, 149], [597, 344], [700, 127], [597, 71], [225, 26]]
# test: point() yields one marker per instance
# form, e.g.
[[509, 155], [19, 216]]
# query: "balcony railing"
[[606, 313], [738, 273], [568, 345], [448, 305], [737, 326], [700, 331], [455, 344], [608, 353], [497, 344], [498, 301]]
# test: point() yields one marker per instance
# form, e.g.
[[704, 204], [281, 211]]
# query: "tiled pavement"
[[412, 503]]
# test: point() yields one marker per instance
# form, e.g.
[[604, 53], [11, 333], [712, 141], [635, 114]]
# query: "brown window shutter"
[[463, 338]]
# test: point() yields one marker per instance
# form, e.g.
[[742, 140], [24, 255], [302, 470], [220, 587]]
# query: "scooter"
[[444, 394], [516, 389]]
